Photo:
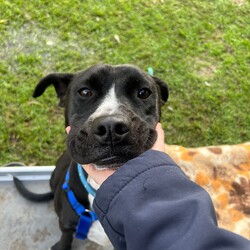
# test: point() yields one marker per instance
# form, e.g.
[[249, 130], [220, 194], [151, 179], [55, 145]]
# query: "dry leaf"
[[117, 38]]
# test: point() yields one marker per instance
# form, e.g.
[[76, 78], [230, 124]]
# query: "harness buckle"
[[84, 224]]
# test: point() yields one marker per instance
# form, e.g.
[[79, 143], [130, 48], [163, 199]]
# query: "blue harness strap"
[[86, 216]]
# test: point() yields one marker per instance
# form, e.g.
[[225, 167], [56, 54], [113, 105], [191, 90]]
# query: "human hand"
[[159, 144], [100, 176]]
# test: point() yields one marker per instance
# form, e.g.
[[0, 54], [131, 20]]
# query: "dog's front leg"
[[65, 242]]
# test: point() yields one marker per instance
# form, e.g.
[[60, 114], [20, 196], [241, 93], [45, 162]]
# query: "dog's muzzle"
[[109, 141]]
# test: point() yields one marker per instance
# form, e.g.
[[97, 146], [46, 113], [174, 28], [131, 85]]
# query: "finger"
[[99, 176], [68, 129], [89, 168], [159, 144], [160, 132]]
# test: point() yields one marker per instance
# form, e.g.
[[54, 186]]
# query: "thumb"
[[159, 144]]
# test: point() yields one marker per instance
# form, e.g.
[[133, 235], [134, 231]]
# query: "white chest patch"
[[94, 185], [96, 232], [109, 106]]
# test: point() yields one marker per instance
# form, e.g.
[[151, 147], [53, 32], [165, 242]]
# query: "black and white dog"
[[112, 111]]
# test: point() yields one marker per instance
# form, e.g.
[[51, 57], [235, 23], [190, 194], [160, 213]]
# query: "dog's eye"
[[144, 93], [85, 92]]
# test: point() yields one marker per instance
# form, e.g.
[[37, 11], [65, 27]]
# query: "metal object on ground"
[[26, 173]]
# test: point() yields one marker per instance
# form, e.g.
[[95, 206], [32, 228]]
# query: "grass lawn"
[[200, 48]]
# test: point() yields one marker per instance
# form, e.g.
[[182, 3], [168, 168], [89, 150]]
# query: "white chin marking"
[[98, 167], [103, 167]]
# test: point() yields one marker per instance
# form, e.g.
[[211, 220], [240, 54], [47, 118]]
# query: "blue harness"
[[86, 216]]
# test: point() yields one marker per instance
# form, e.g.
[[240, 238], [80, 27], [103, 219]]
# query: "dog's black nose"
[[109, 129]]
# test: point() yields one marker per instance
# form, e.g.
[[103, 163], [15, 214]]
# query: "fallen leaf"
[[117, 38]]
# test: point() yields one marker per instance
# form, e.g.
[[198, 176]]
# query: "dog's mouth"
[[111, 162], [85, 148], [109, 159]]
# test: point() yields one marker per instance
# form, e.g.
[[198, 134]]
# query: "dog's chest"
[[96, 232], [94, 185]]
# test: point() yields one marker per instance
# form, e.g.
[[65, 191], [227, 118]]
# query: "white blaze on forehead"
[[109, 106]]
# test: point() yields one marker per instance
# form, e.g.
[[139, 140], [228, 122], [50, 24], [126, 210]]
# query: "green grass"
[[200, 48]]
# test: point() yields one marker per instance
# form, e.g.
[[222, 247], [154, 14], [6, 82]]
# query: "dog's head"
[[112, 111]]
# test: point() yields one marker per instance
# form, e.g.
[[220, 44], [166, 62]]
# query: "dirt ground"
[[28, 226]]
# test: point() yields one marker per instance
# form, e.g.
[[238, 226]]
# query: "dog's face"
[[112, 111]]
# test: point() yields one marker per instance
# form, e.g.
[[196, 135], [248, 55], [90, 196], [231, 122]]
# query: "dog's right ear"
[[60, 82], [163, 87]]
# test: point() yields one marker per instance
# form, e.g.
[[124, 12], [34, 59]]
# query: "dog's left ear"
[[163, 87]]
